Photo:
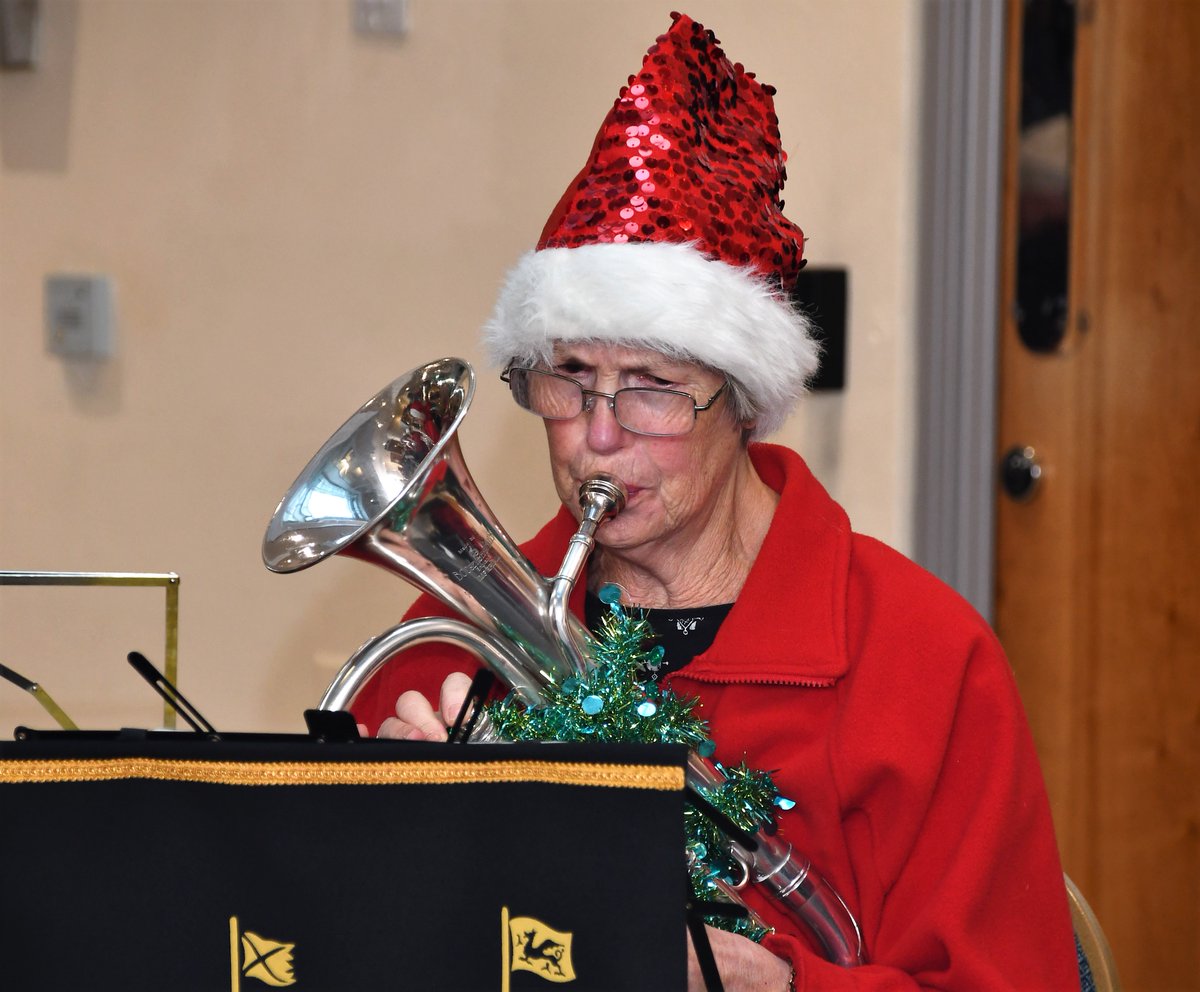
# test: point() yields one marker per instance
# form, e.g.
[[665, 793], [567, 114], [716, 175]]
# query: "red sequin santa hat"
[[673, 236]]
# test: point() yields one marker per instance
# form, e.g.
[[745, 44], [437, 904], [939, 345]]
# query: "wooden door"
[[1098, 574]]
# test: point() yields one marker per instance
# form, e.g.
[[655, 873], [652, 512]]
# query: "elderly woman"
[[651, 331]]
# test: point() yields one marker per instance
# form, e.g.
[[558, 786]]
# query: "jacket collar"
[[788, 624]]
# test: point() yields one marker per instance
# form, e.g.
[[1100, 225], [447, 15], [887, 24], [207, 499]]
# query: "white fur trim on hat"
[[660, 295]]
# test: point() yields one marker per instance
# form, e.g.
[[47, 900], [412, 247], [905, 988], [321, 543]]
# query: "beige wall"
[[293, 215]]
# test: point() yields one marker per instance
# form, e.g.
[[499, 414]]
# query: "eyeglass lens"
[[642, 410]]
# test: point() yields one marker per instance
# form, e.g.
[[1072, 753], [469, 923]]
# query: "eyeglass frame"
[[697, 408]]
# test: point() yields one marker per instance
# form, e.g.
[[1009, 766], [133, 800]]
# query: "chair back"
[[1097, 970]]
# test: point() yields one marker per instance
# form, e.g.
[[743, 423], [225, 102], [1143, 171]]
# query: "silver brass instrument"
[[390, 487]]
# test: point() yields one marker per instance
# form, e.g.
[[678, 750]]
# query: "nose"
[[603, 431]]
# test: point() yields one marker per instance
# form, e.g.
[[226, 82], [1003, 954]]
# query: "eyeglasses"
[[640, 409]]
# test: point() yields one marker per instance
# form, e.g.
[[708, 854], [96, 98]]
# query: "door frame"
[[958, 285]]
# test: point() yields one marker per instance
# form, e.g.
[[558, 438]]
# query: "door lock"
[[1020, 473]]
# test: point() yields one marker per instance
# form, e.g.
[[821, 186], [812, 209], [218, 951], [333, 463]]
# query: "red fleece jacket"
[[884, 705]]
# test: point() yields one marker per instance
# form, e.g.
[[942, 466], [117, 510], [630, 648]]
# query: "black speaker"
[[821, 293]]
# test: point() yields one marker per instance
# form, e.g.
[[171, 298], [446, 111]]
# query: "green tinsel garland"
[[613, 702]]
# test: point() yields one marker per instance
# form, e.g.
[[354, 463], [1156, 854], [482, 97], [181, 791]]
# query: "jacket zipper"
[[799, 683]]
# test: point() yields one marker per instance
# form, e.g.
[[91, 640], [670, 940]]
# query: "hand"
[[415, 718], [744, 965]]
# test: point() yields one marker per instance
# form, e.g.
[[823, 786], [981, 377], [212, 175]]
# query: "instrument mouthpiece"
[[606, 493]]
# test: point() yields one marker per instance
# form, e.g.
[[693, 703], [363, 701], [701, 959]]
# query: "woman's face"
[[674, 483]]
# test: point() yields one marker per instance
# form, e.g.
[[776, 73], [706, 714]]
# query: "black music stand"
[[154, 861]]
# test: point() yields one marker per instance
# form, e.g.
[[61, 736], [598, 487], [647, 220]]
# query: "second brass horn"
[[390, 487]]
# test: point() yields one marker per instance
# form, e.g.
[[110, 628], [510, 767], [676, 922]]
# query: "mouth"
[[632, 499], [632, 494], [579, 474]]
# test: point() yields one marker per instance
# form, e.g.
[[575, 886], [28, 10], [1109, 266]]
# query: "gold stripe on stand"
[[662, 778]]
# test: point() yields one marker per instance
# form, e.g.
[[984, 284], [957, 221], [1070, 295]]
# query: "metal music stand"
[[168, 580]]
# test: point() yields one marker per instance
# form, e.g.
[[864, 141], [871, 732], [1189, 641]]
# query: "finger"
[[395, 729], [414, 709], [454, 693]]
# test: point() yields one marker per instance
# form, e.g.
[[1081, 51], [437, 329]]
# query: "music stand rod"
[[41, 695]]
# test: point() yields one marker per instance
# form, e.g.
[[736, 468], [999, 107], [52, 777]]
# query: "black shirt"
[[682, 634]]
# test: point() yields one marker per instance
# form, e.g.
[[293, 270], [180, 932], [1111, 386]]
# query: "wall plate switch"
[[381, 17], [79, 316], [19, 33]]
